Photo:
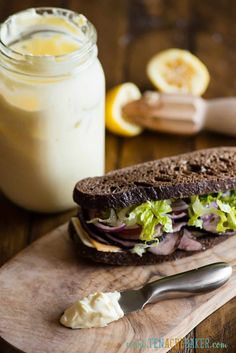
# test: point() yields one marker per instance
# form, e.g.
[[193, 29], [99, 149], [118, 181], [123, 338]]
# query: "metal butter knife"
[[201, 280]]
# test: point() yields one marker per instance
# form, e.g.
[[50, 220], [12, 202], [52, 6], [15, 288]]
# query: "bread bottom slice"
[[126, 258]]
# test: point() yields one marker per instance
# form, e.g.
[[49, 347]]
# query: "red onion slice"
[[109, 229], [178, 215], [120, 242]]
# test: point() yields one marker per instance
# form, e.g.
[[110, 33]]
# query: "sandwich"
[[157, 211]]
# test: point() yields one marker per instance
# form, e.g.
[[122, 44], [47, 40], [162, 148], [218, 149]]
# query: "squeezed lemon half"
[[116, 98], [178, 71]]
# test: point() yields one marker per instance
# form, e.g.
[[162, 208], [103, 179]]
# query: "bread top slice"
[[196, 173]]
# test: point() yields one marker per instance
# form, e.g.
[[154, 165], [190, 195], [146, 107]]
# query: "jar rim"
[[83, 25]]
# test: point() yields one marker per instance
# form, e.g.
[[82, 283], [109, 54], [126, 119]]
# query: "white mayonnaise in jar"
[[51, 107]]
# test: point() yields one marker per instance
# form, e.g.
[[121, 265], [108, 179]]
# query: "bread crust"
[[196, 173], [126, 258]]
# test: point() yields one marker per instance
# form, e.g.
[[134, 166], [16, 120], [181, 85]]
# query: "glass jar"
[[51, 107]]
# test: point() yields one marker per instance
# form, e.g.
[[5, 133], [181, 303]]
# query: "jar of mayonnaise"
[[51, 107]]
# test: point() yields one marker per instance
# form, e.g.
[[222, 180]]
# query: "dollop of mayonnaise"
[[96, 310]]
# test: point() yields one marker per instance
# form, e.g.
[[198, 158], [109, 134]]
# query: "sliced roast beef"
[[131, 233], [123, 243], [178, 226], [168, 245], [188, 242]]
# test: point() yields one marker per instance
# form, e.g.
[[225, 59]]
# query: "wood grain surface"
[[43, 280], [129, 32]]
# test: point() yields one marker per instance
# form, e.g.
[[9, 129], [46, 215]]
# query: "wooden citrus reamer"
[[182, 114]]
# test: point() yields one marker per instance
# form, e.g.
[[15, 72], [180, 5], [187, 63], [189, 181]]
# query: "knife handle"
[[201, 280]]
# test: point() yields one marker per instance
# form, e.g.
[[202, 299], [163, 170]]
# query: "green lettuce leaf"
[[222, 205], [141, 248], [149, 215]]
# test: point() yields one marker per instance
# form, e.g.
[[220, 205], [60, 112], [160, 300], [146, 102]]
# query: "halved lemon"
[[116, 98], [178, 71]]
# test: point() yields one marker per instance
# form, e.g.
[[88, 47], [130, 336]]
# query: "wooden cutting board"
[[41, 281]]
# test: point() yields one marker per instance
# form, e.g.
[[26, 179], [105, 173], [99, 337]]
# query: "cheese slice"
[[90, 242], [81, 233]]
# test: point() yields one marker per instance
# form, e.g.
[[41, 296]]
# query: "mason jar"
[[51, 107]]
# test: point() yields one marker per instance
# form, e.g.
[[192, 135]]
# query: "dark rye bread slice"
[[127, 258], [196, 173]]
